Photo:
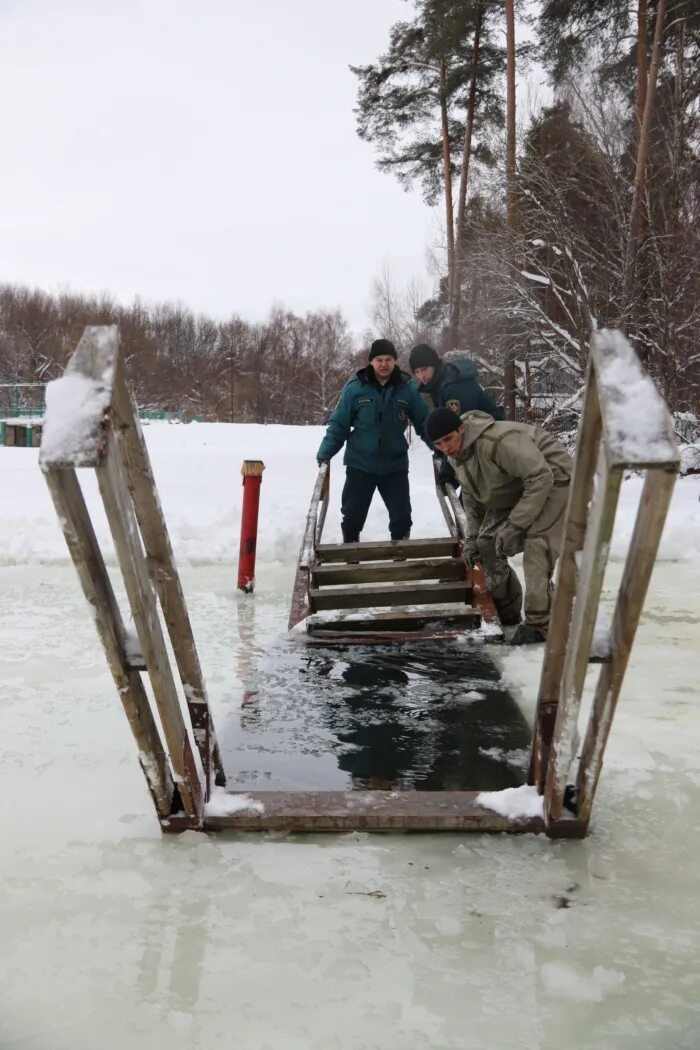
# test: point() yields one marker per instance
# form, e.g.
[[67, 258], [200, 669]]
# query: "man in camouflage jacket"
[[515, 485]]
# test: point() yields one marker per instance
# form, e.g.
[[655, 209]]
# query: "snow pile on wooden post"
[[636, 421], [77, 404]]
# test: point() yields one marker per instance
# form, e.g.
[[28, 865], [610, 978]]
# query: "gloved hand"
[[509, 540], [470, 552], [321, 462], [445, 470]]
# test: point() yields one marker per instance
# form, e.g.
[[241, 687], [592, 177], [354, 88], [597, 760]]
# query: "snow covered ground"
[[115, 936]]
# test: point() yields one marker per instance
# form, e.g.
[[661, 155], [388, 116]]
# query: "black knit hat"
[[441, 422], [381, 348], [423, 356]]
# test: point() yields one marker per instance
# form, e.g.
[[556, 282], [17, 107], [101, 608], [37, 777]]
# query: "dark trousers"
[[357, 495]]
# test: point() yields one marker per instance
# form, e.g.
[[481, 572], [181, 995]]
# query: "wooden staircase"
[[385, 591]]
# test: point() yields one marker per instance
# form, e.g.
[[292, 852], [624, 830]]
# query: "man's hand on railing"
[[444, 470], [469, 550]]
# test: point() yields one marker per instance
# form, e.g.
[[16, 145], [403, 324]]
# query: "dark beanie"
[[382, 347], [441, 422], [423, 356]]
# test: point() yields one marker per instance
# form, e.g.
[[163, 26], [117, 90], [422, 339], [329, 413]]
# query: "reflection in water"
[[429, 716]]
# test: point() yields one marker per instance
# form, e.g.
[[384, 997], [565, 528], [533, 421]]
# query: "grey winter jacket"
[[508, 465]]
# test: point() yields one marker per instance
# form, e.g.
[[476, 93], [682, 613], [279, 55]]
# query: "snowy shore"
[[197, 470]]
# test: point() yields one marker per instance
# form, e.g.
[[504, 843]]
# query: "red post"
[[252, 477]]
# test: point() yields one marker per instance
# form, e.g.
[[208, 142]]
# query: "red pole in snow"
[[252, 477]]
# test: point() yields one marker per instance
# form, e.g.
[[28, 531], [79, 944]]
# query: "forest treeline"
[[580, 214], [287, 369]]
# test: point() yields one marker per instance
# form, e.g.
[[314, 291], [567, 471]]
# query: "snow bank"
[[197, 470]]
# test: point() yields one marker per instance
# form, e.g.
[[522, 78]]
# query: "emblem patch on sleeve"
[[454, 404]]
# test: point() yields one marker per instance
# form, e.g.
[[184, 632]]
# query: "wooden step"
[[442, 547], [391, 594], [462, 618], [368, 810], [381, 572]]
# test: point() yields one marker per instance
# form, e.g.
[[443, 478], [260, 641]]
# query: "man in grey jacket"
[[515, 486]]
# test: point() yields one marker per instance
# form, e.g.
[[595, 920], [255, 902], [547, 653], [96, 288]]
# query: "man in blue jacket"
[[371, 419], [450, 384]]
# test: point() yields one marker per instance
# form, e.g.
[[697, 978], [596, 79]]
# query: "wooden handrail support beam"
[[91, 421], [301, 603], [625, 424]]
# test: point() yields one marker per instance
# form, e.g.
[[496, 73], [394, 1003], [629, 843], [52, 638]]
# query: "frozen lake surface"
[[115, 936]]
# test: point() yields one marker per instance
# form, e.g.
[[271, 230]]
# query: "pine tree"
[[429, 105]]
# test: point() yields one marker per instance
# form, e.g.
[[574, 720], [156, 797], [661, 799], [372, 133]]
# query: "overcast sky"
[[203, 152]]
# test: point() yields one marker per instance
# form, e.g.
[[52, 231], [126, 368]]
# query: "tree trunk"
[[642, 19], [678, 129], [509, 369], [449, 210], [464, 177], [633, 238]]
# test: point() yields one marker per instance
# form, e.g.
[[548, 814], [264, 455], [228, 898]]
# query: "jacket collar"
[[439, 377], [397, 377]]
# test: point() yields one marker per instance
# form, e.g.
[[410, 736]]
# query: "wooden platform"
[[389, 624], [363, 811], [424, 584]]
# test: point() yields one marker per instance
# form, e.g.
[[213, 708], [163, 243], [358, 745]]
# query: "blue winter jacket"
[[455, 385], [372, 420]]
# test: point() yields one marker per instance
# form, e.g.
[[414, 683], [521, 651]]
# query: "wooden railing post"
[[301, 604], [587, 444], [625, 424], [655, 501], [91, 421]]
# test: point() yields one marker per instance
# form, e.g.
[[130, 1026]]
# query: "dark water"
[[375, 717]]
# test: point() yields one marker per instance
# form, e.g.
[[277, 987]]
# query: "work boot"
[[400, 539], [351, 538], [526, 634]]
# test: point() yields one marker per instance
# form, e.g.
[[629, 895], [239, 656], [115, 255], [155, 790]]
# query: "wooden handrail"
[[315, 519]]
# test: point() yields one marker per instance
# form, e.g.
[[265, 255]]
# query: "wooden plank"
[[385, 550], [92, 573], [481, 598], [382, 572], [379, 637], [325, 470], [123, 525], [163, 571], [593, 562], [580, 489], [651, 515], [464, 619], [368, 811], [629, 400], [484, 603], [443, 490], [301, 601], [394, 594]]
